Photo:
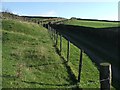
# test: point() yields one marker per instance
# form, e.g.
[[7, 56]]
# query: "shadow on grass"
[[40, 83], [8, 76], [100, 44], [74, 81]]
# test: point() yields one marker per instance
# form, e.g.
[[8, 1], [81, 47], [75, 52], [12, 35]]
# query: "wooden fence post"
[[56, 38], [60, 43], [54, 35], [80, 65], [49, 30], [105, 76], [68, 50]]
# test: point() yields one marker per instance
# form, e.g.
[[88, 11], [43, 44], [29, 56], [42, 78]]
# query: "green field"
[[30, 59], [88, 79], [95, 24]]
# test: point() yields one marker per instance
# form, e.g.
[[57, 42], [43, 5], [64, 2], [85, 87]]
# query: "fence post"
[[56, 38], [105, 76], [80, 65], [60, 43], [51, 33], [48, 29], [68, 50], [54, 35]]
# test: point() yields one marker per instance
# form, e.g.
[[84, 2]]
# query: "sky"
[[86, 10]]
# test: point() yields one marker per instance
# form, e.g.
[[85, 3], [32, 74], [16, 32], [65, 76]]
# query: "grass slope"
[[89, 74], [95, 24], [88, 78], [29, 59]]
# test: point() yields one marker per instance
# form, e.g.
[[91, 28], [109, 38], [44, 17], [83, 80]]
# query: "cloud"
[[46, 14], [49, 13]]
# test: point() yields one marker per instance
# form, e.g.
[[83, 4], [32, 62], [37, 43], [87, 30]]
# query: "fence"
[[105, 68]]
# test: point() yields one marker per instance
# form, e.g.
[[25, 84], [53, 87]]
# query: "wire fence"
[[105, 68]]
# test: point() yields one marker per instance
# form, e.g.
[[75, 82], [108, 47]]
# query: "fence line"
[[105, 69]]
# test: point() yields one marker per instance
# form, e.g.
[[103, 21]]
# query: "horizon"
[[61, 17], [84, 10]]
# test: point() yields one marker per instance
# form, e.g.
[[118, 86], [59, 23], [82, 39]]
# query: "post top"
[[105, 64]]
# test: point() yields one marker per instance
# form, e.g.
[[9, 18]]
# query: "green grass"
[[89, 74], [29, 59], [95, 24]]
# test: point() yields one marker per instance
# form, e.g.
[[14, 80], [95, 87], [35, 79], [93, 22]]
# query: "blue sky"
[[90, 10]]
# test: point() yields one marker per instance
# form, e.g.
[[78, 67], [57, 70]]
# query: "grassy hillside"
[[95, 24], [29, 59], [35, 19], [89, 74]]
